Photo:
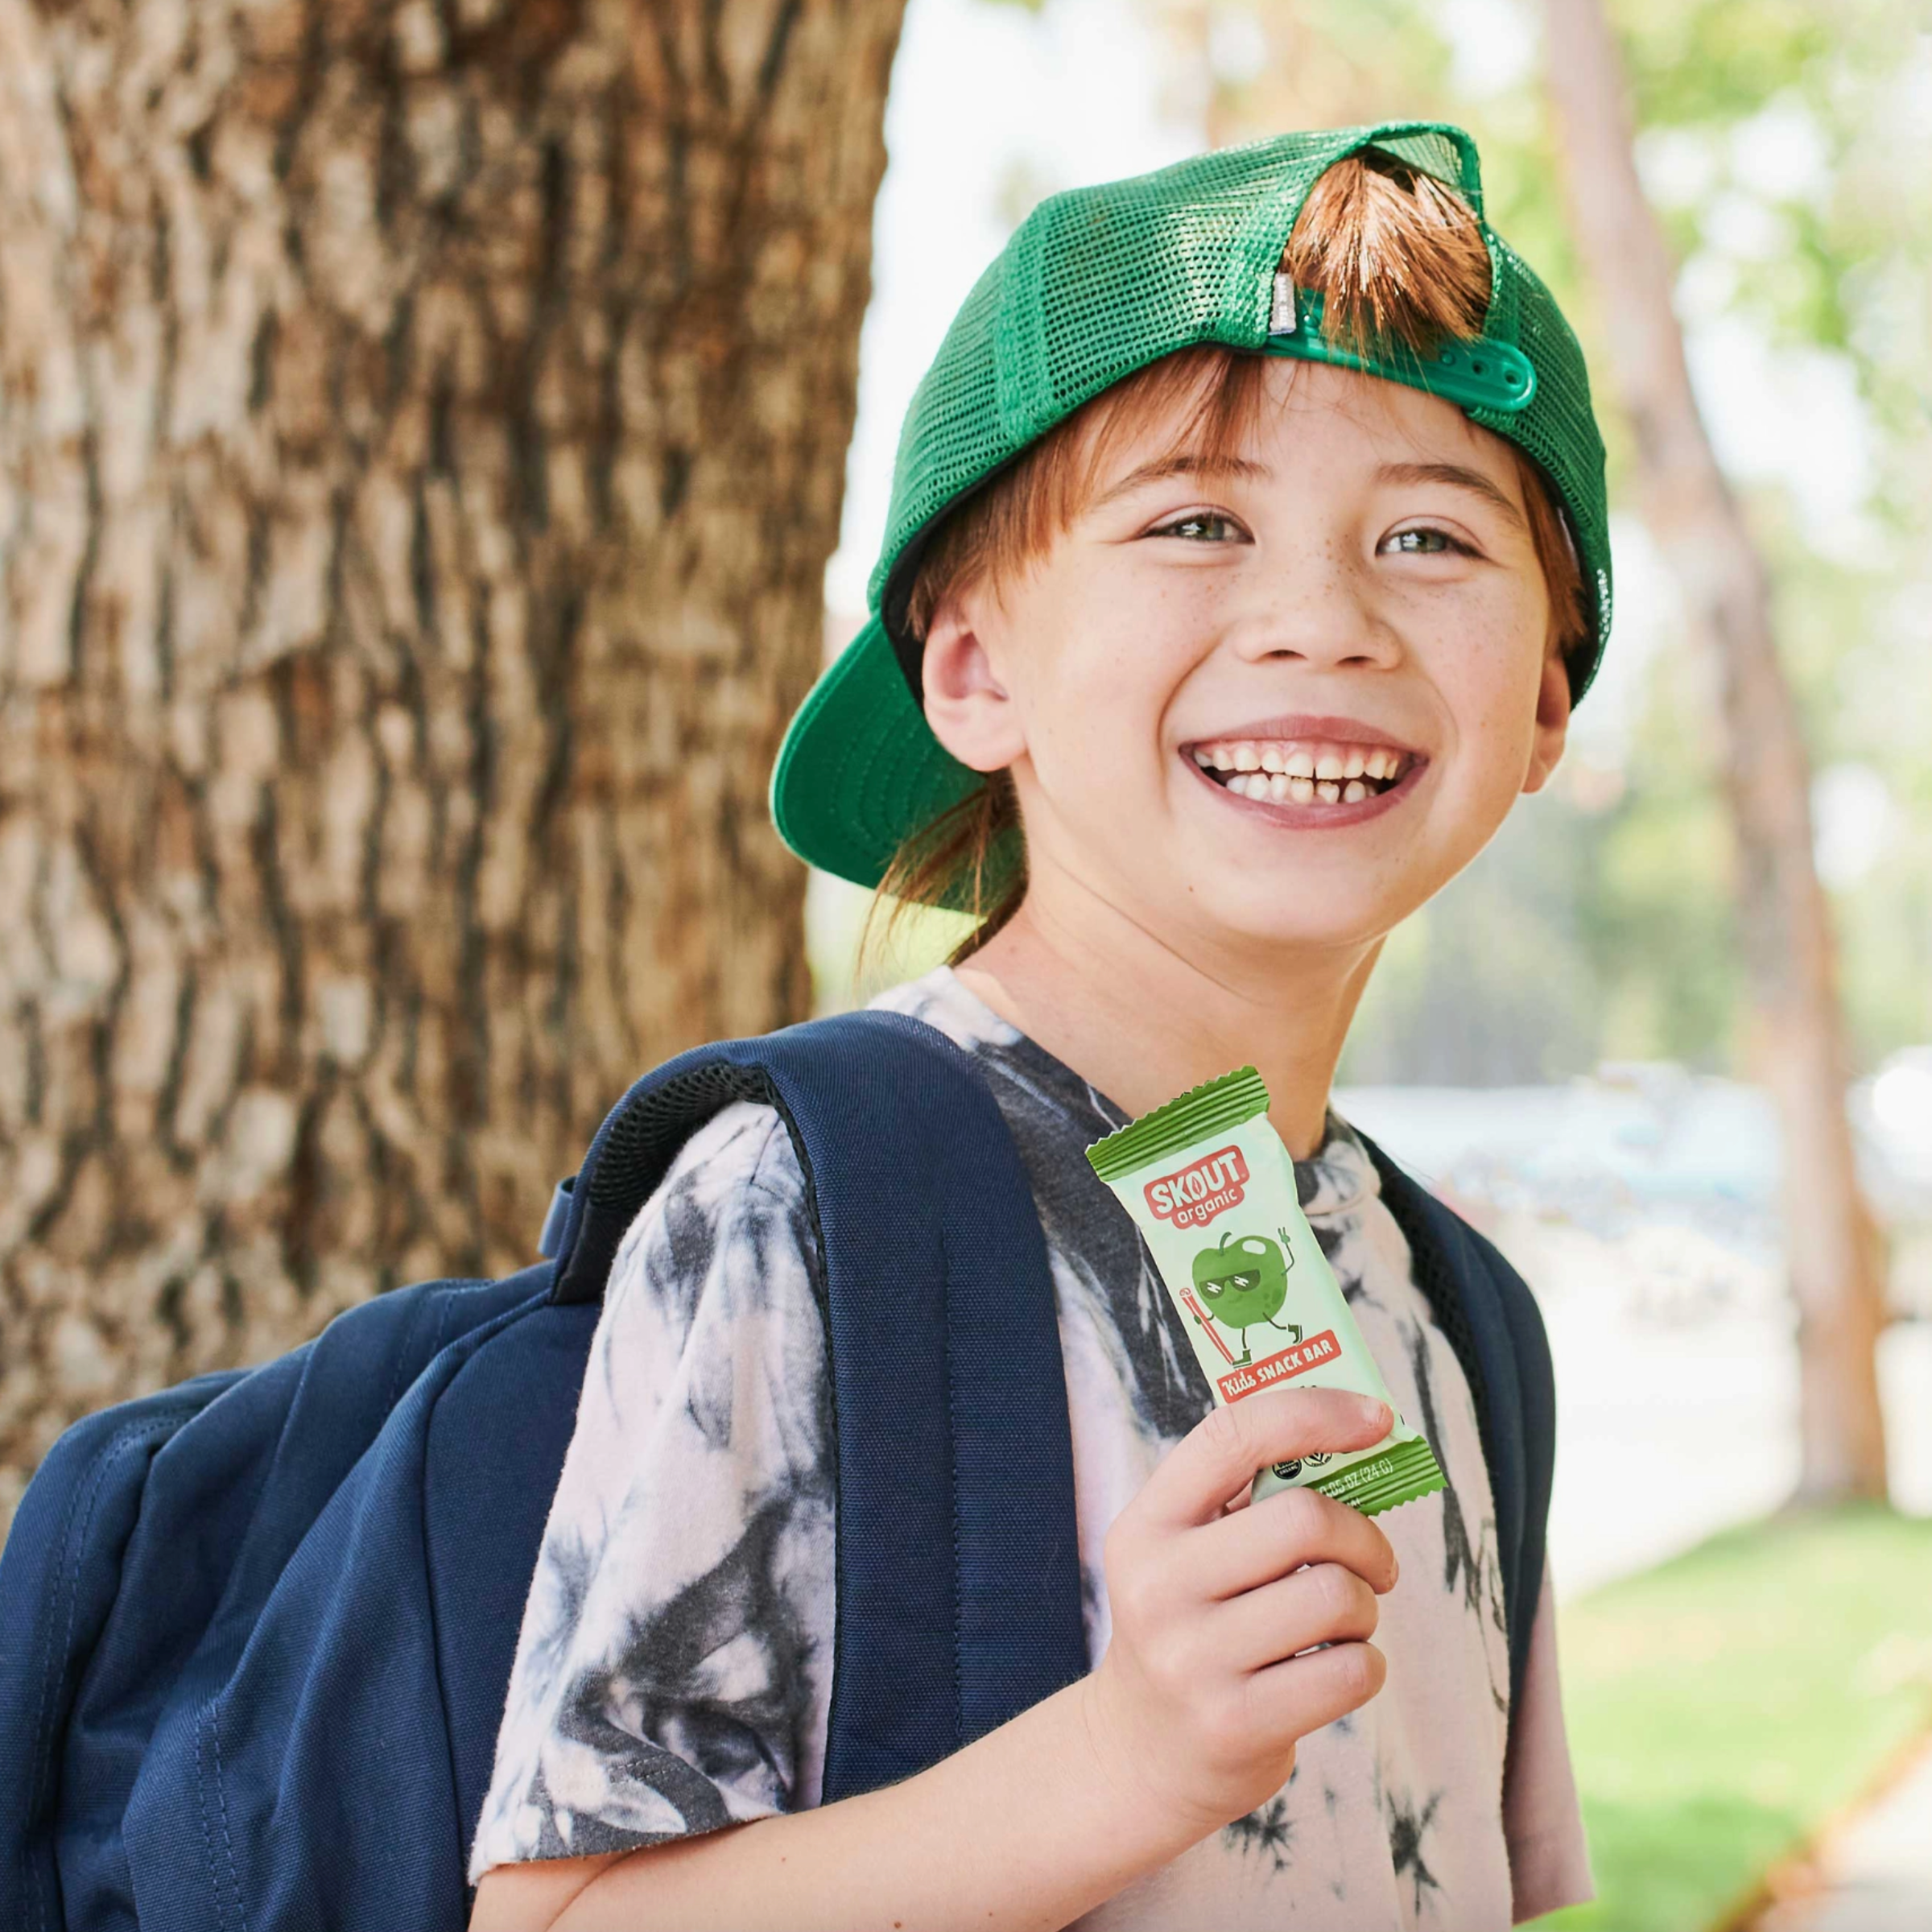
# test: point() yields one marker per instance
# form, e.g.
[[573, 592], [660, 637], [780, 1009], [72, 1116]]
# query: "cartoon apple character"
[[1244, 1280]]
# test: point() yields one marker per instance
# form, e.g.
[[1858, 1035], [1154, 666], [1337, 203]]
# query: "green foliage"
[[1719, 61], [1492, 984], [1884, 926], [1580, 934], [1721, 1708], [1656, 915], [1660, 927]]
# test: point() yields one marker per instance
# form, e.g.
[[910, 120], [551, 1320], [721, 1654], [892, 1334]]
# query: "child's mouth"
[[1303, 771]]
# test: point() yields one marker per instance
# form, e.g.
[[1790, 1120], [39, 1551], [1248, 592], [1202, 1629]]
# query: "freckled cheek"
[[1489, 670], [1487, 677]]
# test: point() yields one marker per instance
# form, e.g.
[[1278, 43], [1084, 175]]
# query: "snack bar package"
[[1211, 1187]]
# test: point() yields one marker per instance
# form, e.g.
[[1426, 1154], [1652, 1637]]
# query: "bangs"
[[1213, 397]]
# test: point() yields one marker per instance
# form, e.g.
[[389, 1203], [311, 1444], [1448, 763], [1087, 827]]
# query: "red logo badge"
[[1194, 1196], [1283, 1366]]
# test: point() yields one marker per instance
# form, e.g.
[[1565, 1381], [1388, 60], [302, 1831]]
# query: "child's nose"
[[1315, 612]]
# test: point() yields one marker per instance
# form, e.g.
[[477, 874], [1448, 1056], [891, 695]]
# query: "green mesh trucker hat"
[[1095, 284]]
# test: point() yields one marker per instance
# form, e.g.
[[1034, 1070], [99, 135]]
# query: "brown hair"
[[1398, 257]]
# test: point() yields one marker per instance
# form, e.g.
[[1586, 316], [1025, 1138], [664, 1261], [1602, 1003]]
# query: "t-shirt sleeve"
[[1548, 1856], [673, 1668]]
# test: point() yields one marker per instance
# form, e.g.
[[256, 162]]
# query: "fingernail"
[[1377, 1412]]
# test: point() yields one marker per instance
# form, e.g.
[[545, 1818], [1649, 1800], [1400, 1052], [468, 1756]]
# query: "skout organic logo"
[[1192, 1197]]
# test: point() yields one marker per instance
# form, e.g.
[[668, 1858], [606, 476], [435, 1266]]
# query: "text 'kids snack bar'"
[[1210, 1185]]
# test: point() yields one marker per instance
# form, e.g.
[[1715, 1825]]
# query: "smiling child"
[[1246, 555]]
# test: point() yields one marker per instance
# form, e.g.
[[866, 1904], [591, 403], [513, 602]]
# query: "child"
[[1196, 670]]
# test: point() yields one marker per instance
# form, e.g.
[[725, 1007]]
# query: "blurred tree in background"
[[421, 432], [1788, 943]]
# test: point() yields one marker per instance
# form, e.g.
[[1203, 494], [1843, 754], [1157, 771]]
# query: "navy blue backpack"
[[256, 1631]]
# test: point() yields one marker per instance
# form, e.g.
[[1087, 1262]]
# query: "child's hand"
[[1197, 1706]]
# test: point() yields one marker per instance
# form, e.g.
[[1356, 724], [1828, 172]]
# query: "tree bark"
[[423, 428], [1835, 1258]]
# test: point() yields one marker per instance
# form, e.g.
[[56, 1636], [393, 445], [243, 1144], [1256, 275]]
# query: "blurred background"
[[438, 446]]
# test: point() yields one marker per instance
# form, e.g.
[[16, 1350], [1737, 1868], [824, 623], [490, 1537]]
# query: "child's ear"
[[969, 708], [1553, 704]]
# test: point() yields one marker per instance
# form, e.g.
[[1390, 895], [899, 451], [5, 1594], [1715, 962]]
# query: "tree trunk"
[[422, 429], [1835, 1253]]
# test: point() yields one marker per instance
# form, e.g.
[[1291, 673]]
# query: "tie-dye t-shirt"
[[673, 1673]]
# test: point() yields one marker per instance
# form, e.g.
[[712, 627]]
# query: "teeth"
[[1332, 766], [1302, 791], [1329, 795], [1277, 788], [1356, 792]]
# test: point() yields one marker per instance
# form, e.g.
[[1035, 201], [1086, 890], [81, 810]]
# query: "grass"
[[1724, 1707]]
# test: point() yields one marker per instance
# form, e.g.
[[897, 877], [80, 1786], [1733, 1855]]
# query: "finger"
[[1248, 1548], [1307, 1692], [1224, 1450], [1325, 1604]]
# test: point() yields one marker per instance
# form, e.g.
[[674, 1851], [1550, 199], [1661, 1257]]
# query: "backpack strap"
[[949, 1392], [1492, 1322]]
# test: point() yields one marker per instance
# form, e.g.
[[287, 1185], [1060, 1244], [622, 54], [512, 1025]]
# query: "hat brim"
[[860, 770]]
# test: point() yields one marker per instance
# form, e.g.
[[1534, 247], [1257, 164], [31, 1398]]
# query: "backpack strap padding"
[[949, 1392], [484, 1516], [1490, 1319]]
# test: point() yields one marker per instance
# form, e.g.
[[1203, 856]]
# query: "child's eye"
[[1201, 526], [1426, 542]]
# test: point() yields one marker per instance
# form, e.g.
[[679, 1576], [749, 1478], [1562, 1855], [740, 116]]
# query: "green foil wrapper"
[[1211, 1189]]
